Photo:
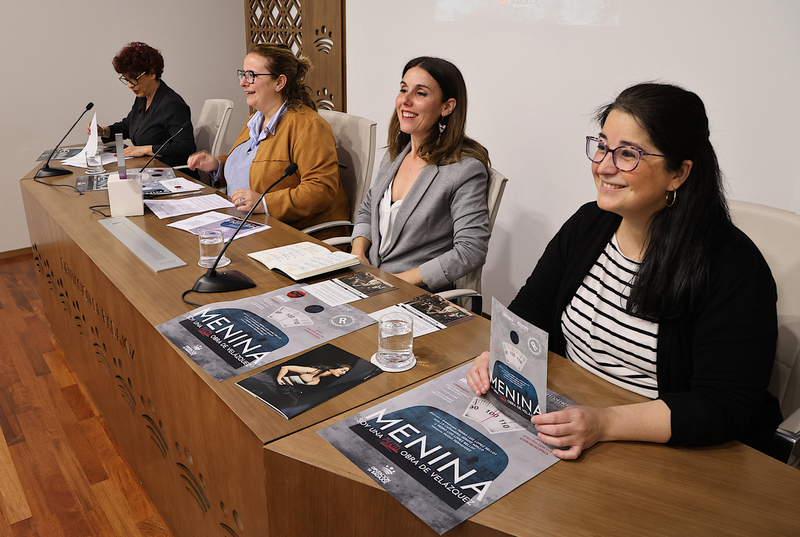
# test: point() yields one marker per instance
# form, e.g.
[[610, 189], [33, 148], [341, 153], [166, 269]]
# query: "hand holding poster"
[[517, 364]]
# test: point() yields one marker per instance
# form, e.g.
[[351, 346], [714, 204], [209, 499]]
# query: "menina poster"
[[517, 365], [230, 338], [442, 451]]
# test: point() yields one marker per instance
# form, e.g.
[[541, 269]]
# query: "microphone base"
[[221, 282], [51, 171]]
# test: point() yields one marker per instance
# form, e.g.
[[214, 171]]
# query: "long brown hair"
[[453, 144], [282, 61]]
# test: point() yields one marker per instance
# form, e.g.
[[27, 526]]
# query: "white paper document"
[[180, 207], [221, 221], [422, 325], [180, 184], [79, 160], [334, 293]]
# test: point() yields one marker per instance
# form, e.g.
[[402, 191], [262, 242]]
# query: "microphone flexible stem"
[[162, 147], [287, 172], [88, 107]]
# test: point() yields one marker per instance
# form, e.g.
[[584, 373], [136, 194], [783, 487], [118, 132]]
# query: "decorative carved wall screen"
[[314, 28]]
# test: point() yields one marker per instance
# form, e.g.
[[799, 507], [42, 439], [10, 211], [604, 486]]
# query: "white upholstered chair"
[[211, 127], [469, 286], [777, 234], [355, 148]]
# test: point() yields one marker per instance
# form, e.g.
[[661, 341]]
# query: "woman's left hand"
[[244, 200], [412, 276], [138, 150], [575, 427]]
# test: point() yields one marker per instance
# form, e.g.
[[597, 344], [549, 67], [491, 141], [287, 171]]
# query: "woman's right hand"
[[203, 160], [100, 130], [478, 375]]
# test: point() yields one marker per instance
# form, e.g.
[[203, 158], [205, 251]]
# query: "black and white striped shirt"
[[604, 339]]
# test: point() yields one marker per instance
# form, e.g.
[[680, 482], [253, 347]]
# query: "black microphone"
[[233, 280], [46, 170], [162, 146]]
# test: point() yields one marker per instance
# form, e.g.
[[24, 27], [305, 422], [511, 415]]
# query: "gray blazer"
[[442, 227]]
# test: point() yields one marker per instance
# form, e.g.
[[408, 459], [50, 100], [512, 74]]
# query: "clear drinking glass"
[[211, 244], [395, 341], [94, 163]]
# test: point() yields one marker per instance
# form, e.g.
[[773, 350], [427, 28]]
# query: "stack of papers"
[[79, 160], [182, 206]]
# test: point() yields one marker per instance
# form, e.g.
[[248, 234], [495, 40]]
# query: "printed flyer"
[[230, 338], [517, 364], [441, 451], [429, 313], [349, 288], [309, 379]]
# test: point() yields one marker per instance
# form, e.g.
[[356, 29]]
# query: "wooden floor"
[[60, 472]]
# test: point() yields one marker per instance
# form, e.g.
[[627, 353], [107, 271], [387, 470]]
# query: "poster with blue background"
[[227, 339], [517, 365], [441, 450]]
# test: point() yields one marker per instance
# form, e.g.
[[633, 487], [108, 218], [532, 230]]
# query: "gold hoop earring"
[[671, 199]]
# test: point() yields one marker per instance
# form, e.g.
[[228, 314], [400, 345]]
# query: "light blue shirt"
[[237, 167]]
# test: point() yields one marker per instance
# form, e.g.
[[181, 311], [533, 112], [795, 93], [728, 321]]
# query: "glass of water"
[[94, 163], [211, 244], [395, 342]]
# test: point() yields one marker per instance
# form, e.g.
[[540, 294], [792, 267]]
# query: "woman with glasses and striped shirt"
[[653, 288]]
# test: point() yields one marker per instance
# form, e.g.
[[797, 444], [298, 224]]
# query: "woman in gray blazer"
[[426, 217]]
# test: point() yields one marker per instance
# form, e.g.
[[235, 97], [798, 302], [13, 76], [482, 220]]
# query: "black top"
[[713, 364], [167, 114]]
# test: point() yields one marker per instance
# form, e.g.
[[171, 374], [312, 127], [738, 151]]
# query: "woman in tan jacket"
[[284, 129]]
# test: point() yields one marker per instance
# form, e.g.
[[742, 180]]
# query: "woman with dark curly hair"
[[284, 129], [158, 112]]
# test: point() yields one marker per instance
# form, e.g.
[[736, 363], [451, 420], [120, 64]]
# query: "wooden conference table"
[[198, 446]]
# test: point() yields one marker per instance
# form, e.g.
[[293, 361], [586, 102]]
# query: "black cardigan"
[[153, 126], [713, 364]]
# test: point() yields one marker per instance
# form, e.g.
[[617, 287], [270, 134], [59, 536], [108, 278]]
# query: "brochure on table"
[[304, 260], [517, 364], [429, 313], [159, 182], [222, 222], [230, 338], [441, 451], [59, 154], [349, 288], [307, 380], [63, 153]]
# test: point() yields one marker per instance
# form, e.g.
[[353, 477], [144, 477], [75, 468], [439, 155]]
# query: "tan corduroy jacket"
[[314, 193]]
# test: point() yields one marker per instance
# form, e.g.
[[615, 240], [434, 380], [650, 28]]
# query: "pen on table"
[[186, 193]]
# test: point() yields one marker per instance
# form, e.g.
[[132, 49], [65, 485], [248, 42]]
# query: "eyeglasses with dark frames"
[[131, 81], [624, 157], [250, 76]]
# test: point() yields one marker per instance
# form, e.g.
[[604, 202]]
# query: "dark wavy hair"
[[681, 238], [453, 144], [136, 58], [324, 381], [282, 61]]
